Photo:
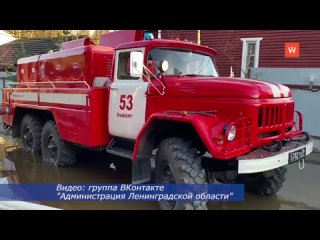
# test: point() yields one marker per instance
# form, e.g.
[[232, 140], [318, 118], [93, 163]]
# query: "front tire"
[[264, 183], [55, 150], [30, 133], [177, 162]]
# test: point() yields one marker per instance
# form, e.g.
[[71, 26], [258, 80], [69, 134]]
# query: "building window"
[[250, 55]]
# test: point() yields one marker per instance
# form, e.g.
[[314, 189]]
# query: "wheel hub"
[[52, 148], [28, 137], [167, 178]]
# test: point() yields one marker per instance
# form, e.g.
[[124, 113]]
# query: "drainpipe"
[[159, 34], [199, 37]]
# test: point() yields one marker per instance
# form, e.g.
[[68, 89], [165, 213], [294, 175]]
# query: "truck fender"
[[206, 126]]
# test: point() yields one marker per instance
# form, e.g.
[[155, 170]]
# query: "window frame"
[[245, 43], [185, 50], [117, 63]]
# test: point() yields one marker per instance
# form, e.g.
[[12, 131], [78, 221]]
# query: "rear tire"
[[55, 150], [177, 162], [30, 134], [264, 183]]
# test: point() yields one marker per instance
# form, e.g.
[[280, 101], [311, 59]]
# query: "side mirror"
[[136, 64]]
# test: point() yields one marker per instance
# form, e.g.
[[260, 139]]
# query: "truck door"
[[127, 109]]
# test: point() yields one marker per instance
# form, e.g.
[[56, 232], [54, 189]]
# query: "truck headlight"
[[232, 133], [7, 110]]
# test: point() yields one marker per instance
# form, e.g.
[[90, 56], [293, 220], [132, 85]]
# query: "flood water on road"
[[300, 191]]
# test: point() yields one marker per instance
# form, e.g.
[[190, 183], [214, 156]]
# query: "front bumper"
[[261, 160]]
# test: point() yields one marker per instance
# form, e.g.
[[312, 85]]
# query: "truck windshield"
[[182, 62]]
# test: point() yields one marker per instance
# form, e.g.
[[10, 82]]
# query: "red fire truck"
[[156, 101]]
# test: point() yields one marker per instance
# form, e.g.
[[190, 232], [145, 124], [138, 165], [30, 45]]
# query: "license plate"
[[297, 155]]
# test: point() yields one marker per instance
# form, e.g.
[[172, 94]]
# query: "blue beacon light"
[[148, 36]]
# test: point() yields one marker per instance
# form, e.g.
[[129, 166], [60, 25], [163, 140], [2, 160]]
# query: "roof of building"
[[10, 52]]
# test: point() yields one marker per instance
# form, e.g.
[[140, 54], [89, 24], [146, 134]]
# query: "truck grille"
[[276, 115]]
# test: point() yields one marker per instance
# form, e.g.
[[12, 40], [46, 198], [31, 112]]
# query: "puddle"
[[92, 167], [300, 191]]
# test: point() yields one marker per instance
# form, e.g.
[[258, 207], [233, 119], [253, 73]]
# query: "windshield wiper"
[[188, 74], [194, 75]]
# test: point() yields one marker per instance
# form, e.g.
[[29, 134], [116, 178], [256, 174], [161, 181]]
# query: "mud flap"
[[141, 170]]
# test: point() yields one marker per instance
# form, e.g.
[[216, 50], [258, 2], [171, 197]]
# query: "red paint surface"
[[114, 39]]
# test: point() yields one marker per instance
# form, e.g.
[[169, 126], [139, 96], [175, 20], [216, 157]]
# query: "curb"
[[21, 205]]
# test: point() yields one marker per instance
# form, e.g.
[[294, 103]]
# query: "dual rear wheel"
[[38, 138]]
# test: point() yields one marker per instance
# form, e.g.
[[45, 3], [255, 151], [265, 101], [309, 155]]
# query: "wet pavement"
[[300, 191]]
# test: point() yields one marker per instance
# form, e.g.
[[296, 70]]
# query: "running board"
[[121, 147]]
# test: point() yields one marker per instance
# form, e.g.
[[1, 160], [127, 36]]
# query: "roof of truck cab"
[[167, 43]]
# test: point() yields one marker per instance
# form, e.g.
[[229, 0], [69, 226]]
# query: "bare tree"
[[66, 34], [173, 34], [229, 45]]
